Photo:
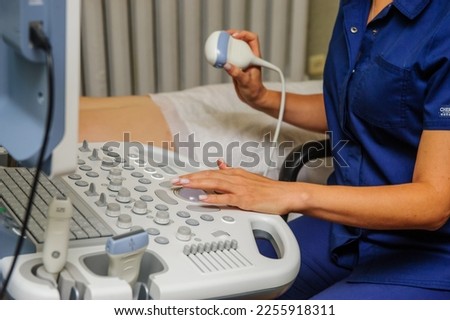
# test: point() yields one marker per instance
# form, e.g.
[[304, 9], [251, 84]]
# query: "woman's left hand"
[[239, 188]]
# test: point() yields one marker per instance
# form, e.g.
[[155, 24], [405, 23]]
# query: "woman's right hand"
[[248, 83]]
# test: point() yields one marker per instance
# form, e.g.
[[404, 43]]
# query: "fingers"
[[250, 37], [221, 164], [225, 180]]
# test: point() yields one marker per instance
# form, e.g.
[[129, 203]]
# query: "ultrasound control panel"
[[195, 251]]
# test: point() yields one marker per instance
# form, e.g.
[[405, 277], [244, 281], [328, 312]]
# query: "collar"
[[410, 8]]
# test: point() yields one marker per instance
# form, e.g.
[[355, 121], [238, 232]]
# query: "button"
[[140, 189], [124, 221], [162, 194], [168, 170], [113, 210], [75, 177], [203, 208], [166, 184], [207, 217], [189, 194], [85, 168], [184, 233], [153, 231], [107, 164], [162, 217], [161, 207], [115, 173], [145, 181], [157, 176], [192, 222], [92, 174], [113, 154], [150, 169], [146, 198], [161, 240], [123, 195], [81, 183], [81, 162], [140, 207], [220, 233], [353, 29], [115, 184], [128, 167], [140, 162], [137, 175], [228, 219], [183, 214]]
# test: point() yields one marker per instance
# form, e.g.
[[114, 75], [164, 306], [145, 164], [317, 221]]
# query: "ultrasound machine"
[[102, 220]]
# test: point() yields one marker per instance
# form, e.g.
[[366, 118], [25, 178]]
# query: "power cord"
[[39, 40], [280, 116]]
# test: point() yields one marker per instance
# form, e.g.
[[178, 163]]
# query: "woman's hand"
[[248, 83], [239, 188]]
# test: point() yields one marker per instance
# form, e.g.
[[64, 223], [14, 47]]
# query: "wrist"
[[300, 196], [266, 100]]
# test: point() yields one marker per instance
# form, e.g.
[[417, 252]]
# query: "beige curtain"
[[141, 46]]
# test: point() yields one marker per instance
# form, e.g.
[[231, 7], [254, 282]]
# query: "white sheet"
[[224, 127]]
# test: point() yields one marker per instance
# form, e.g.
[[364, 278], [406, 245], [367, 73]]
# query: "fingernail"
[[227, 66], [180, 181], [202, 197]]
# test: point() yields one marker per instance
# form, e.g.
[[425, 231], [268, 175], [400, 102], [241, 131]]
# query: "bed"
[[205, 123]]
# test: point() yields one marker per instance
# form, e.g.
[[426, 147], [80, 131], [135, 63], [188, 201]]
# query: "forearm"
[[304, 111], [407, 206]]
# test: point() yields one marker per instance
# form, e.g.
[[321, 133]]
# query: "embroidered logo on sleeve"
[[444, 111]]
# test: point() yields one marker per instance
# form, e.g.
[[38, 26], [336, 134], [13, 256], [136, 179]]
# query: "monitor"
[[24, 90]]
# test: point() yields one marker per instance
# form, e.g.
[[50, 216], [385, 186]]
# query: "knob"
[[162, 217], [140, 207], [107, 163], [101, 202], [94, 155], [124, 221], [91, 192], [113, 210], [184, 233], [124, 195], [115, 184], [84, 147], [115, 173]]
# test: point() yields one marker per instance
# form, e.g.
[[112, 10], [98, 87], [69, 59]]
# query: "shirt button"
[[353, 29]]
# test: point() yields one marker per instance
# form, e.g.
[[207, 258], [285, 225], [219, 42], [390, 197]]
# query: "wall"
[[322, 14]]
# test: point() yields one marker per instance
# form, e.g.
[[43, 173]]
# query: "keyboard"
[[195, 251], [15, 187]]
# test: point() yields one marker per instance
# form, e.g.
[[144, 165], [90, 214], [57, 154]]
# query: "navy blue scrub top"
[[384, 83]]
